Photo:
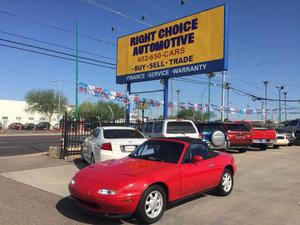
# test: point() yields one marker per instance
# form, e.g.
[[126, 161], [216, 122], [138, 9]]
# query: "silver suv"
[[293, 126], [170, 128]]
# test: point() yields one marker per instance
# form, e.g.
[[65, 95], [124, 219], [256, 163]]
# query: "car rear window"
[[180, 127], [124, 133], [209, 127], [237, 127]]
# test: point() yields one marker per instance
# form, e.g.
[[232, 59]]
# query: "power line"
[[56, 27], [54, 44], [158, 8], [54, 51], [102, 6], [56, 56]]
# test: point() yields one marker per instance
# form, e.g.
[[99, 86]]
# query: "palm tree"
[[141, 106]]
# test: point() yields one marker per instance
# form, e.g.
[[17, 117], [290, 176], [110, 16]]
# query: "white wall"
[[15, 111]]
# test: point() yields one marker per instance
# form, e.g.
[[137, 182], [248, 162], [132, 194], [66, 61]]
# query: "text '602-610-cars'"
[[158, 172]]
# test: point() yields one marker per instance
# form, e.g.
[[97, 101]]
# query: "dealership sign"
[[191, 45]]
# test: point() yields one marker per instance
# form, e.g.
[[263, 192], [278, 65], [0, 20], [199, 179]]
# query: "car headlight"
[[72, 182], [107, 192]]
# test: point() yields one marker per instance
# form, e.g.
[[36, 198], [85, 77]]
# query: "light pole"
[[222, 96], [280, 88], [210, 75], [285, 111], [202, 102], [58, 95], [178, 92], [266, 96]]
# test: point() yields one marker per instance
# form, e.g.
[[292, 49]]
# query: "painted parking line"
[[11, 147], [53, 179]]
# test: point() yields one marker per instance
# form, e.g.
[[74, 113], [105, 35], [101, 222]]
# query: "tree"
[[45, 101], [87, 110], [141, 106], [194, 115]]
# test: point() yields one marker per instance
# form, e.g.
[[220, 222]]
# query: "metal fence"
[[74, 132]]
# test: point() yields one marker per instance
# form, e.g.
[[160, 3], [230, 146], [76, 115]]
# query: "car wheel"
[[81, 155], [242, 150], [152, 204], [297, 134], [263, 147], [92, 159], [226, 183]]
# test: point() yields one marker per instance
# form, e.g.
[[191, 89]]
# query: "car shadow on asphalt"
[[79, 163], [69, 208]]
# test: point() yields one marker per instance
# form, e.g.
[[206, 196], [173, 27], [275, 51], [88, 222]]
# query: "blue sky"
[[263, 45]]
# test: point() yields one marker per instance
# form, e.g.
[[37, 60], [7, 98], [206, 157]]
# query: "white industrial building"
[[15, 111]]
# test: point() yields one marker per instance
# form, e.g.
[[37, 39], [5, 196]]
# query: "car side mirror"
[[197, 158]]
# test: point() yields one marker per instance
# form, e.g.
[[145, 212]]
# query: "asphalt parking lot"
[[267, 184]]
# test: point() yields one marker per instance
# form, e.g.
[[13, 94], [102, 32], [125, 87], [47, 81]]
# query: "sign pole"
[[166, 90], [128, 92], [77, 73]]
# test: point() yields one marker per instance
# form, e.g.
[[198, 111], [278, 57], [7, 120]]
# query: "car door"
[[92, 143], [196, 177]]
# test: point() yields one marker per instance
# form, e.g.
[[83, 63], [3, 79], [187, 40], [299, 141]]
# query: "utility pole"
[[210, 75], [222, 98], [285, 110], [77, 74], [227, 86], [280, 88], [262, 114], [202, 102], [266, 96], [58, 96]]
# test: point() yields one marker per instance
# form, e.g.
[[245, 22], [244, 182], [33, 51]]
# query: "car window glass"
[[196, 149], [293, 123], [180, 127], [164, 151], [237, 127], [158, 126], [95, 133], [122, 133], [147, 128]]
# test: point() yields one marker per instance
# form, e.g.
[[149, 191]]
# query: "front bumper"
[[107, 205]]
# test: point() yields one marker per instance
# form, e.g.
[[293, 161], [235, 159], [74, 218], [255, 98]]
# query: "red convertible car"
[[156, 173]]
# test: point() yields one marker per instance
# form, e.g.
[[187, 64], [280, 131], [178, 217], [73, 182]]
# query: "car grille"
[[88, 204]]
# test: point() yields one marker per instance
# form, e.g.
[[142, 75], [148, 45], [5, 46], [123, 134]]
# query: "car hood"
[[116, 171]]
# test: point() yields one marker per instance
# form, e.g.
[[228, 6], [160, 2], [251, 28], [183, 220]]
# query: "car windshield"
[[122, 133], [238, 127], [180, 127], [162, 151]]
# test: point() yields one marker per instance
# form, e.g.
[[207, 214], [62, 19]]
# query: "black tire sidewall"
[[140, 211]]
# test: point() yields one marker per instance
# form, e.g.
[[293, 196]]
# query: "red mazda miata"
[[156, 173]]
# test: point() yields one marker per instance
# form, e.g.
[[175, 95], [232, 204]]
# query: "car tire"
[[154, 201], [226, 183], [218, 138], [263, 147], [92, 161], [81, 155], [297, 135], [242, 150]]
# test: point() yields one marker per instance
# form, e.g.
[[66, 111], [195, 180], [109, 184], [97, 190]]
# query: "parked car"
[[261, 137], [156, 173], [293, 126], [170, 128], [110, 142], [281, 140], [238, 136], [43, 126], [29, 126], [16, 126], [284, 135], [214, 134]]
